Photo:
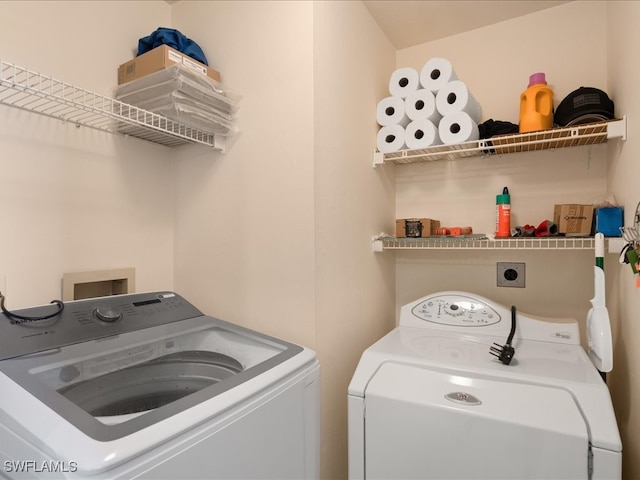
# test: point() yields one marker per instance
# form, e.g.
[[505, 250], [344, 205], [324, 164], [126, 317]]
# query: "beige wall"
[[354, 287], [275, 234], [624, 296], [597, 53], [75, 199], [245, 219], [496, 66]]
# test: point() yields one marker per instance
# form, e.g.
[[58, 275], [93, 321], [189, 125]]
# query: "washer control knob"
[[107, 314]]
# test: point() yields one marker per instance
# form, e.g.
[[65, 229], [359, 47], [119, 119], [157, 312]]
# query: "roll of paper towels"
[[436, 73], [456, 97], [391, 138], [457, 128], [421, 134], [421, 104], [403, 82], [390, 111]]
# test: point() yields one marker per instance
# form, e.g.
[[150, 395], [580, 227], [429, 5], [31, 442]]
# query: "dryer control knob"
[[107, 314]]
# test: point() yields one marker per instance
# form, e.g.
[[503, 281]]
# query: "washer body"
[[146, 386], [428, 401]]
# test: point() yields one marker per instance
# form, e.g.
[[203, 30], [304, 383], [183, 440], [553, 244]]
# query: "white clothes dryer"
[[429, 401], [146, 386]]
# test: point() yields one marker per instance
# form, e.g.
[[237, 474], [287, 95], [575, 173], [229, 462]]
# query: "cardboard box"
[[416, 227], [609, 220], [158, 59], [573, 219]]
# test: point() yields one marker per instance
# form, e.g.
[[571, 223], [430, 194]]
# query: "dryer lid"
[[453, 425], [537, 363]]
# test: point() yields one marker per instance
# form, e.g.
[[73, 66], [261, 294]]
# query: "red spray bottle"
[[503, 214]]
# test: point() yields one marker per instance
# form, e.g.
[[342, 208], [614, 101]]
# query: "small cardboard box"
[[573, 219], [609, 220], [158, 59], [416, 227]]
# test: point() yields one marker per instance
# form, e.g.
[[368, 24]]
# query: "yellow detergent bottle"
[[536, 105]]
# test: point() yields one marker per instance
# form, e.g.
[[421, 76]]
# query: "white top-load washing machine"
[[146, 386], [428, 400]]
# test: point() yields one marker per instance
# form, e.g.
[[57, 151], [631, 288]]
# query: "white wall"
[[78, 199]]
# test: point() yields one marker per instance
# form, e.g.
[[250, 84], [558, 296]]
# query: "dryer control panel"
[[456, 310]]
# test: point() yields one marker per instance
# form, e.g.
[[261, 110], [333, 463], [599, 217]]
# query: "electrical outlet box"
[[510, 274]]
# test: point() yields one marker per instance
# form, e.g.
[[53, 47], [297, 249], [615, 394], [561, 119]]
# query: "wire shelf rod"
[[430, 243]]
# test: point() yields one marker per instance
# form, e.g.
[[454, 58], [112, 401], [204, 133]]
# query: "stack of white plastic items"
[[188, 97], [426, 109]]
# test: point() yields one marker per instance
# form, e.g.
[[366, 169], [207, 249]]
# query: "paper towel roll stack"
[[426, 109], [436, 73], [421, 134], [421, 104], [460, 112], [391, 138], [458, 127], [391, 111], [403, 82], [456, 97]]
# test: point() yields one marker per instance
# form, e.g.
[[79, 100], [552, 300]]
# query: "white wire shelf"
[[481, 242], [31, 91], [574, 136]]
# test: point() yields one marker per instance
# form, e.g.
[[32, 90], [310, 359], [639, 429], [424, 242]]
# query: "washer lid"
[[113, 387], [39, 403]]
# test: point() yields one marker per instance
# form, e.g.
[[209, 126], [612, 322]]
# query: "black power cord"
[[506, 352], [15, 316]]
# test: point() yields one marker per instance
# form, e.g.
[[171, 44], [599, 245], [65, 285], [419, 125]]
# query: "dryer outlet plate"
[[511, 274]]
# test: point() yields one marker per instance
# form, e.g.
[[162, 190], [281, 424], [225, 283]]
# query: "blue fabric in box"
[[609, 220]]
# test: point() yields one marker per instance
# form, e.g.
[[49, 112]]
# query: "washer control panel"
[[456, 310], [107, 313], [90, 319]]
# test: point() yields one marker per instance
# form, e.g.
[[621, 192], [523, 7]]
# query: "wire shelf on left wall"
[[34, 92]]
